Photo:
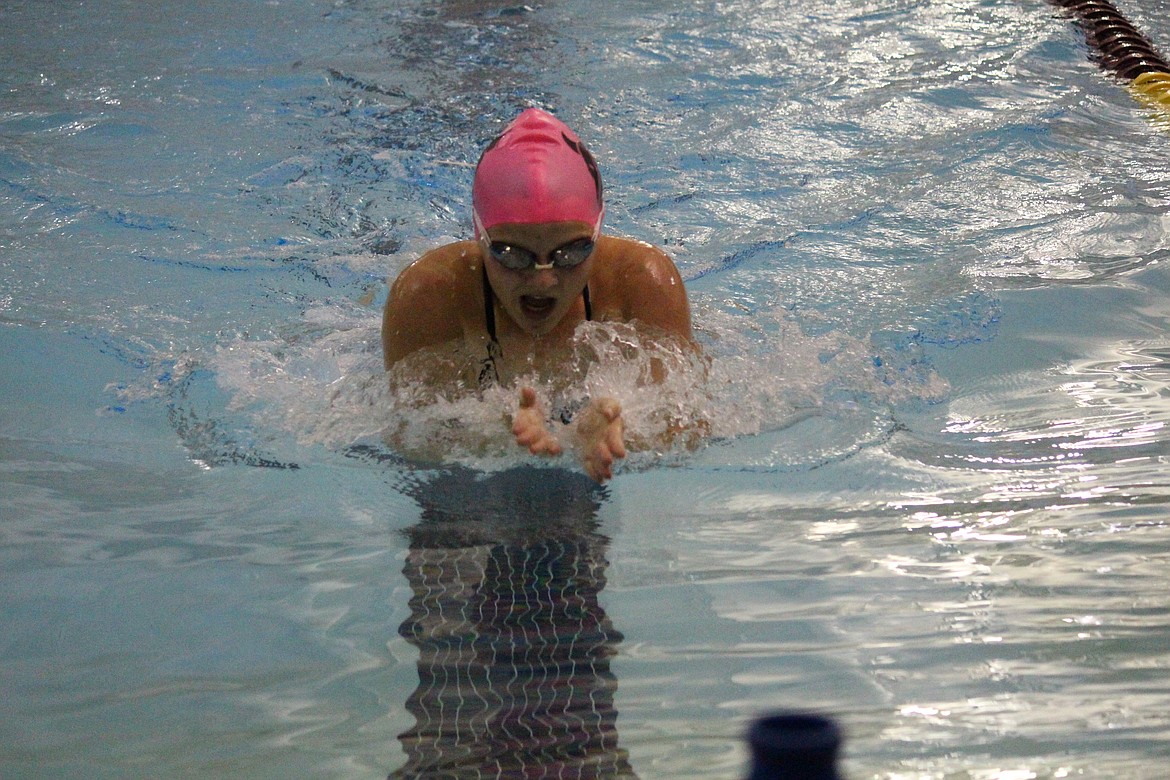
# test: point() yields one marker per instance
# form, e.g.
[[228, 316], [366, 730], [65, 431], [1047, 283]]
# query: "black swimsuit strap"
[[489, 372], [489, 306]]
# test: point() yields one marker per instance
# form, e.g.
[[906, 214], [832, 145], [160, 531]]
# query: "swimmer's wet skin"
[[539, 266]]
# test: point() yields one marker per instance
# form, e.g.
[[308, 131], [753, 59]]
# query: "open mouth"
[[537, 305]]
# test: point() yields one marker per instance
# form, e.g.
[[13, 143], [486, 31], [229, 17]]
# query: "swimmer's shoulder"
[[640, 281], [442, 270], [431, 299], [628, 259]]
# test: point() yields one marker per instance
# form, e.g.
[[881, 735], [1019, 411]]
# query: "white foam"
[[324, 384]]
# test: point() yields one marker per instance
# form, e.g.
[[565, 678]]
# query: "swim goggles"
[[516, 258]]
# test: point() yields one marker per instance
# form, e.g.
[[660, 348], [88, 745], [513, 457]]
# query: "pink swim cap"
[[537, 170]]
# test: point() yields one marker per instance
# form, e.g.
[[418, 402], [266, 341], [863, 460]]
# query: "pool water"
[[927, 245]]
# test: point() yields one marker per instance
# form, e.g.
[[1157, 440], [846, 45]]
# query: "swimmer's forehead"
[[535, 235]]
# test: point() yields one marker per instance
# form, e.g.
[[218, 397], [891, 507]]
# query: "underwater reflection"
[[514, 648]]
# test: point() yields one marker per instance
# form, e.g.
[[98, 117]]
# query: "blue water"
[[928, 250]]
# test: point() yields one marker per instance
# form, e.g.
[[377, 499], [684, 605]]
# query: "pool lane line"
[[1121, 49]]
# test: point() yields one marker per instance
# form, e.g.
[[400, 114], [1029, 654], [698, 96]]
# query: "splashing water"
[[322, 384]]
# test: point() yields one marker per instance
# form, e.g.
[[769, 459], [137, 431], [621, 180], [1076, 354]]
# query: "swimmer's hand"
[[601, 433], [529, 428], [599, 428]]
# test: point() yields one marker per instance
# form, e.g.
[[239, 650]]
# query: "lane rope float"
[[1120, 48]]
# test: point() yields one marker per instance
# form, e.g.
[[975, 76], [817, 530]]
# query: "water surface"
[[926, 245]]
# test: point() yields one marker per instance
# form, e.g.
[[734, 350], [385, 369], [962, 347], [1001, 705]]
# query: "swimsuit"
[[489, 372]]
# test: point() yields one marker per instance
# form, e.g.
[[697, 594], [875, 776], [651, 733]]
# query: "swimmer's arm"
[[658, 299], [654, 292], [423, 309]]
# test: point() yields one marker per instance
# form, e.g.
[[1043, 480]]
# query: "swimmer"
[[539, 265]]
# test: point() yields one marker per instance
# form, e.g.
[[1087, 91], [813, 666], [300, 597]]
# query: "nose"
[[544, 278]]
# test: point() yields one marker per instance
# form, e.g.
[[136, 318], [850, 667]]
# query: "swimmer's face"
[[538, 298]]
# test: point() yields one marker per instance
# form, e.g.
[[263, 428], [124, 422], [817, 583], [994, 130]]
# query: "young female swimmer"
[[538, 267]]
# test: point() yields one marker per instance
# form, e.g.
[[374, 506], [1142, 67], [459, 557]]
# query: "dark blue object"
[[794, 746]]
